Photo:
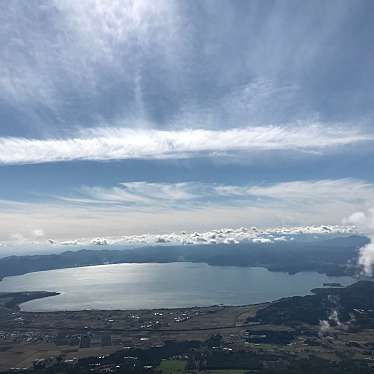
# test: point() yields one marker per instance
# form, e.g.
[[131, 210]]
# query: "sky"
[[133, 117]]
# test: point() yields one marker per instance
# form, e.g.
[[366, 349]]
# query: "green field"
[[172, 366], [179, 367], [227, 371]]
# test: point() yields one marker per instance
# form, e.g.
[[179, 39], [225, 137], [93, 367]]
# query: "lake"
[[172, 285]]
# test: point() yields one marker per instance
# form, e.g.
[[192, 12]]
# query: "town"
[[216, 337]]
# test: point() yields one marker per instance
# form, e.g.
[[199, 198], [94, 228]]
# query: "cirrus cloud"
[[125, 143]]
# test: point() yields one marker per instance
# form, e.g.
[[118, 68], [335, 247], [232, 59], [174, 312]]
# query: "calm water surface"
[[138, 286]]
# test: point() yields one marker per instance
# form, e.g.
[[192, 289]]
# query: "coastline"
[[13, 300]]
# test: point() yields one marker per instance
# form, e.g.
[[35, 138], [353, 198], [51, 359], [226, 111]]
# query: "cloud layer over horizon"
[[134, 208]]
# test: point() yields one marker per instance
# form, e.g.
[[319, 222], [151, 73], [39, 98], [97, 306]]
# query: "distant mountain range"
[[336, 256]]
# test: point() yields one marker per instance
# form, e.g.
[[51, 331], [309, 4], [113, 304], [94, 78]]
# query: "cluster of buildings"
[[28, 337]]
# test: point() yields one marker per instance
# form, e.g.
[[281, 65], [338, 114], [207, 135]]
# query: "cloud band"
[[115, 143]]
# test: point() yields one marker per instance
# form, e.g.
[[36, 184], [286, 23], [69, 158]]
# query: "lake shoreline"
[[158, 286]]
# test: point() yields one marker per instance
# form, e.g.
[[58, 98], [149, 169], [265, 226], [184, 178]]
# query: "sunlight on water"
[[138, 286]]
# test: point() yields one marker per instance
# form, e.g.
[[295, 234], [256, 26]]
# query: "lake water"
[[141, 286]]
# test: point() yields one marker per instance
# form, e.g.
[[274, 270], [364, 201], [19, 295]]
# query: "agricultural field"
[[173, 366], [179, 367], [227, 371]]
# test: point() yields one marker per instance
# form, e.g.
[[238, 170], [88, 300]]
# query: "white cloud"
[[262, 240], [18, 238], [68, 63], [329, 190], [364, 220], [343, 192], [116, 143], [215, 236], [79, 42], [366, 258], [37, 233], [143, 193], [141, 207]]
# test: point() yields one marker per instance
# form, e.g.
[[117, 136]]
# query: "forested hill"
[[354, 303], [332, 256]]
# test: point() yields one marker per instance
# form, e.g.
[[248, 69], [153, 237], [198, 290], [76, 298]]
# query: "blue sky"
[[127, 117]]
